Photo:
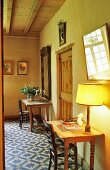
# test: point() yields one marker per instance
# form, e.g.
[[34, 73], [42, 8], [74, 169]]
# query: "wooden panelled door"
[[65, 85]]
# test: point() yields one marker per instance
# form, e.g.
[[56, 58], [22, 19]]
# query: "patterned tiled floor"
[[25, 150]]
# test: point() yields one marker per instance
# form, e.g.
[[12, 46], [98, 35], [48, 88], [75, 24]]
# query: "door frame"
[[58, 53], [2, 141]]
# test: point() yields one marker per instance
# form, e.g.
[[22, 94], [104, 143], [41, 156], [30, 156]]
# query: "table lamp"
[[89, 95]]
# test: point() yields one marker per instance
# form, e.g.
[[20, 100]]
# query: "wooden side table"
[[75, 136], [36, 104]]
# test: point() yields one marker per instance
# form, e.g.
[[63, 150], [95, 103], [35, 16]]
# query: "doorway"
[[65, 81]]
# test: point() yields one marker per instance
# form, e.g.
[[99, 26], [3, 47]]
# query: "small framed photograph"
[[62, 33], [8, 68], [22, 67]]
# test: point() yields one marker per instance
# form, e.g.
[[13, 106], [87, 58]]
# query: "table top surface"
[[75, 131], [36, 102]]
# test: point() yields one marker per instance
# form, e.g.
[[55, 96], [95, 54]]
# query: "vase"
[[28, 96], [31, 98]]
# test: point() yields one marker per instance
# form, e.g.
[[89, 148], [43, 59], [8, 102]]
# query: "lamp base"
[[87, 128]]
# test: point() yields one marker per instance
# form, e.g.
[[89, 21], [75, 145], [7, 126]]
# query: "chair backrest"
[[50, 135], [20, 106]]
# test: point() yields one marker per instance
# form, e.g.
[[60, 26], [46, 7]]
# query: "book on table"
[[70, 125]]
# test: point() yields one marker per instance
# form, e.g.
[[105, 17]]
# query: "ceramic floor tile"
[[25, 150]]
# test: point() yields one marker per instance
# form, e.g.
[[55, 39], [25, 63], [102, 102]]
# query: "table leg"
[[66, 156], [25, 107], [92, 149], [31, 119], [47, 112]]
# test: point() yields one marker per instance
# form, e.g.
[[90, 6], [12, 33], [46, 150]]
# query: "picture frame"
[[8, 67], [22, 67], [46, 71], [62, 33]]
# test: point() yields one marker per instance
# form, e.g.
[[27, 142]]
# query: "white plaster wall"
[[81, 17]]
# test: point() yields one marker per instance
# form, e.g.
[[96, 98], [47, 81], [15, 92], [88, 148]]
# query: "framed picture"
[[8, 68], [22, 67], [46, 71], [62, 33]]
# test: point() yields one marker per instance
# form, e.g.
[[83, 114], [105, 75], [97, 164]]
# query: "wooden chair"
[[57, 148], [23, 114]]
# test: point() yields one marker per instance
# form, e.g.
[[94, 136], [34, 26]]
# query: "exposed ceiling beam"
[[9, 5], [36, 6]]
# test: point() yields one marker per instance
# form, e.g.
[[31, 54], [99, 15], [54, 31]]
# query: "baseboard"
[[83, 163], [14, 117]]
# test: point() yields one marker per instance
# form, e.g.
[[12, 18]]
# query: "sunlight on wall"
[[100, 117]]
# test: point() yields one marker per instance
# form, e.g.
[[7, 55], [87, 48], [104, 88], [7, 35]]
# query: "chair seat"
[[25, 112]]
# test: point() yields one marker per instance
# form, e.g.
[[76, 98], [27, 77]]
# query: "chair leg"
[[50, 161], [74, 148], [76, 159], [20, 121], [55, 163], [20, 124]]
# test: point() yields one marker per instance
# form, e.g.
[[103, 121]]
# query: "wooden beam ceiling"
[[28, 17], [9, 5], [32, 15]]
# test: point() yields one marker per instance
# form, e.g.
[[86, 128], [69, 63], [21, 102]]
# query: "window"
[[97, 53]]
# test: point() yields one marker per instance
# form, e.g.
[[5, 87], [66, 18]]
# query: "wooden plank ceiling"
[[28, 17]]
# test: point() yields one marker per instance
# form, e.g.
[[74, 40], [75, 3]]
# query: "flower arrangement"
[[30, 91]]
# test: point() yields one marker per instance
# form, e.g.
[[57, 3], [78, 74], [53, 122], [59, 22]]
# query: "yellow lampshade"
[[90, 94]]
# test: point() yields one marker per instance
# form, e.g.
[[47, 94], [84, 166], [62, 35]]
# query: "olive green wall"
[[19, 49], [81, 17]]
